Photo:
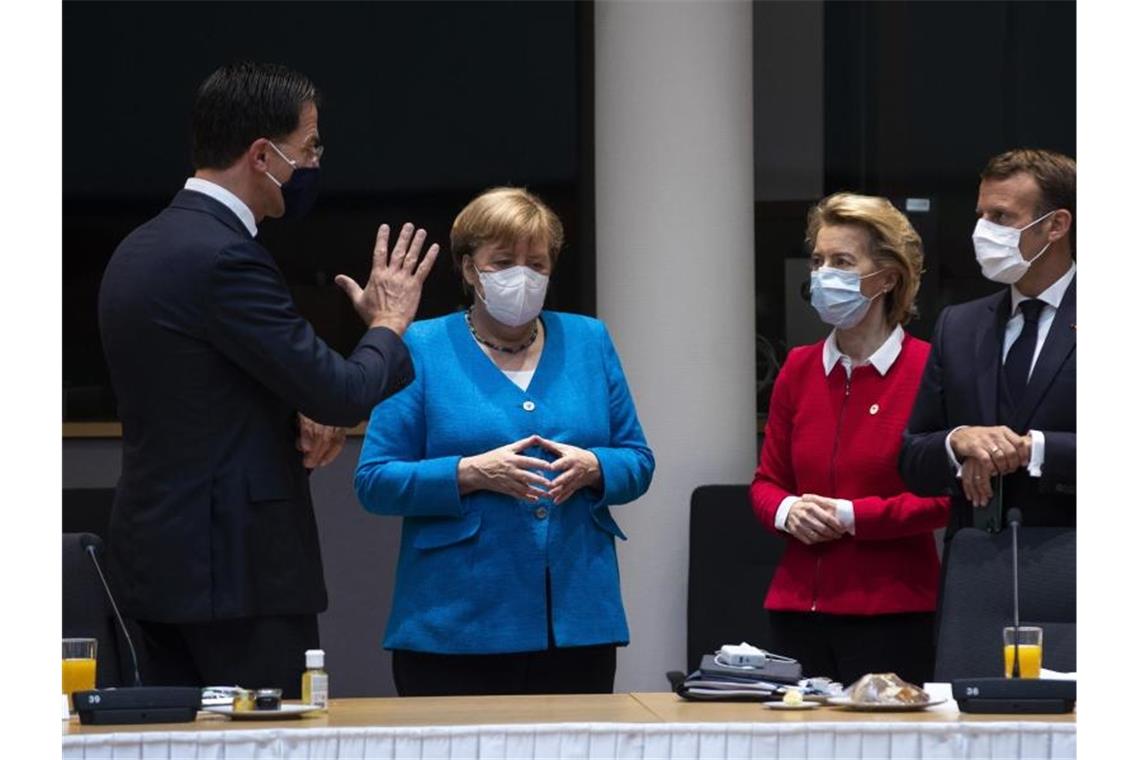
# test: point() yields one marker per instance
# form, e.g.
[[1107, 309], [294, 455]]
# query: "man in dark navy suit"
[[998, 395], [227, 396]]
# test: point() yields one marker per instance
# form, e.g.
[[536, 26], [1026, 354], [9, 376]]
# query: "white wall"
[[675, 254]]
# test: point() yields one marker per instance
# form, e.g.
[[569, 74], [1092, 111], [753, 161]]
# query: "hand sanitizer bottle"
[[315, 681]]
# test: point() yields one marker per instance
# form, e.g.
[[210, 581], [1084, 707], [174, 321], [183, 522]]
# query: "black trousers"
[[554, 670], [260, 652], [566, 670], [846, 647]]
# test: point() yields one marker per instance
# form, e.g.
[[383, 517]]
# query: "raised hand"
[[392, 294]]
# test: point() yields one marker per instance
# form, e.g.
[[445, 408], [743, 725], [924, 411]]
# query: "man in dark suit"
[[998, 395], [226, 394]]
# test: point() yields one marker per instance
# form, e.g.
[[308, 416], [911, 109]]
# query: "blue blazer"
[[471, 577], [210, 363]]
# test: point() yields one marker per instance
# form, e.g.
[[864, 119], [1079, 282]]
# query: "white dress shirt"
[[1051, 298], [225, 197], [881, 360]]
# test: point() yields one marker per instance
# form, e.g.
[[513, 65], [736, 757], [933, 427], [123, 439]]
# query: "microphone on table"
[[1014, 524], [1014, 694], [138, 703], [90, 543]]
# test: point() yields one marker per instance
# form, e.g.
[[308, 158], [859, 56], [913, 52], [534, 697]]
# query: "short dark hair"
[[244, 101], [1055, 173]]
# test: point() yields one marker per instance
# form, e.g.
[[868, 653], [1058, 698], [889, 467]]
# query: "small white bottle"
[[315, 681]]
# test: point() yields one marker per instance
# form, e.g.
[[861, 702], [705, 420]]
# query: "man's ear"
[[257, 155], [1060, 224]]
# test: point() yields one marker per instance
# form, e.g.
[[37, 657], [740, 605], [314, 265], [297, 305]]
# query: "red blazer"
[[841, 439]]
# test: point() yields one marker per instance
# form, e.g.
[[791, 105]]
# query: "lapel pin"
[[874, 409]]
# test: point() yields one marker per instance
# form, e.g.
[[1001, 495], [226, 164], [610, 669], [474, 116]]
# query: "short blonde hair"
[[504, 215], [894, 244]]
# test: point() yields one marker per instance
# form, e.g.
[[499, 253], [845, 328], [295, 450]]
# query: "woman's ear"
[[891, 280], [467, 269]]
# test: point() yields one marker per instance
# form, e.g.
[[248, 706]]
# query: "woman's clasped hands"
[[814, 519], [507, 470]]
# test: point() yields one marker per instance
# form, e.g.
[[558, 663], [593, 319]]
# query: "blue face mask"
[[836, 296], [300, 190]]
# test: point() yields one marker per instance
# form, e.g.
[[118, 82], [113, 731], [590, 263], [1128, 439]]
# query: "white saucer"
[[286, 711], [788, 706]]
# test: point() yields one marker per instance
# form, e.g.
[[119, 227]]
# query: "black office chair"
[[977, 600], [87, 613], [87, 510], [731, 563]]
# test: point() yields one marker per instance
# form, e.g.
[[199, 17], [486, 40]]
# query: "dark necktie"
[[1020, 356]]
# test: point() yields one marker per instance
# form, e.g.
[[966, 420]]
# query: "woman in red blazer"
[[856, 589]]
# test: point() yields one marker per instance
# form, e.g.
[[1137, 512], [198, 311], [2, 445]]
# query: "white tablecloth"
[[914, 741]]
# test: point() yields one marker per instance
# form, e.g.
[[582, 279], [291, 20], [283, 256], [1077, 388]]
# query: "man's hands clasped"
[[985, 452], [319, 444]]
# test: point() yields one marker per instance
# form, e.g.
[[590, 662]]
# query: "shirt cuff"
[[1036, 453], [782, 512], [845, 510], [950, 453]]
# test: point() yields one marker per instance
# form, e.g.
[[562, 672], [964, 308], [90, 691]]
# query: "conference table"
[[634, 725]]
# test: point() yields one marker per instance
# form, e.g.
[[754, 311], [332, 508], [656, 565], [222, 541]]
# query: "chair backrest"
[[87, 613], [731, 563], [977, 599], [87, 510]]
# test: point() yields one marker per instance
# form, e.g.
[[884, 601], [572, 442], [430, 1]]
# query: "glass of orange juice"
[[1029, 644], [78, 665]]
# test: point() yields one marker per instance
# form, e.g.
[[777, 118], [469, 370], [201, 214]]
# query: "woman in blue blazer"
[[504, 457]]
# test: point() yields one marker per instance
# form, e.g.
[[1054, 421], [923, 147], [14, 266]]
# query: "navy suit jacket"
[[960, 387], [210, 363]]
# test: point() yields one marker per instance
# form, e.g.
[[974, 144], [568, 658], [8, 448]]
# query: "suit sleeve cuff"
[[782, 512], [845, 510], [1037, 453], [954, 463], [392, 347]]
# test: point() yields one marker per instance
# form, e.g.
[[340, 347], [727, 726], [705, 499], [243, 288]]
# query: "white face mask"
[[998, 250], [513, 296], [837, 296]]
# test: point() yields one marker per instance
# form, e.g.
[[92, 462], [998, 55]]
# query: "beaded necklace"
[[495, 347]]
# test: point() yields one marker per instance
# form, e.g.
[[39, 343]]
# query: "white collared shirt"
[[882, 359], [1051, 298], [226, 198]]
